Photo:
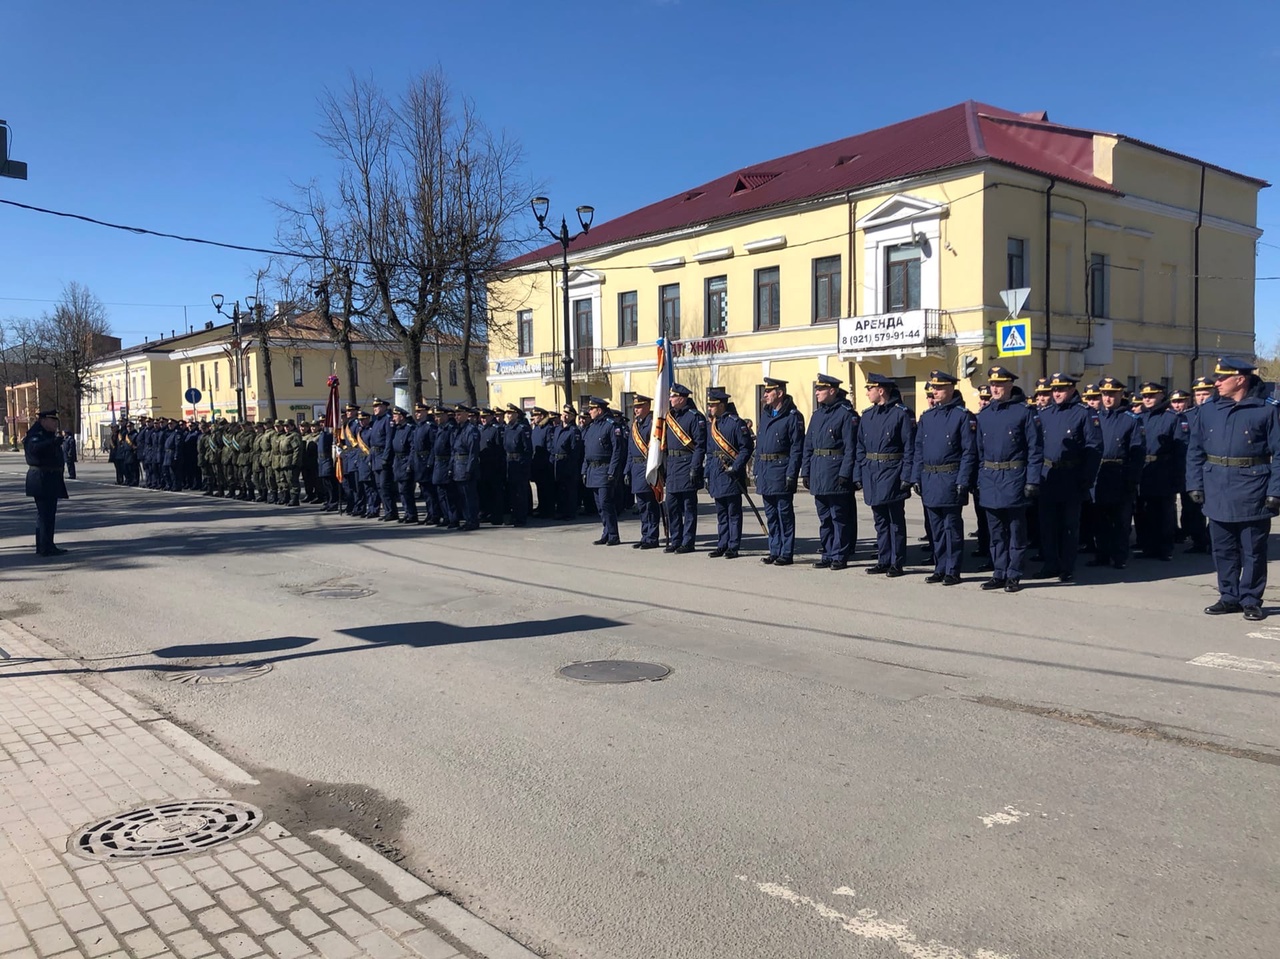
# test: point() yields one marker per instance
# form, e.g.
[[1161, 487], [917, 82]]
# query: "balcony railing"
[[588, 364], [939, 328]]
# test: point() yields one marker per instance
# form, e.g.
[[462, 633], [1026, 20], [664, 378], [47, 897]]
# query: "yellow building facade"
[[899, 270]]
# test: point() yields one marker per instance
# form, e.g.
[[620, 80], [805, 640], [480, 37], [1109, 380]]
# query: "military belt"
[[514, 457], [1003, 464], [562, 456], [773, 457], [597, 462], [1064, 463], [639, 459], [1112, 460], [48, 469], [678, 453], [828, 452], [1152, 459], [885, 457], [1238, 461], [462, 457], [942, 468]]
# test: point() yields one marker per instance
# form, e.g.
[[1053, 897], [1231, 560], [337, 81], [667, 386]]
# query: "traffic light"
[[968, 365]]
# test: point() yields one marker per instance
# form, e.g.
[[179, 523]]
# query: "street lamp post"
[[250, 302], [585, 215]]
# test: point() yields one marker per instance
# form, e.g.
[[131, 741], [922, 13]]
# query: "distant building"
[[888, 252]]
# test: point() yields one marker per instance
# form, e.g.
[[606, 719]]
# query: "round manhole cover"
[[168, 829], [339, 592], [215, 675], [614, 671]]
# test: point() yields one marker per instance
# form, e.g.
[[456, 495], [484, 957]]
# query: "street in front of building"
[[835, 765]]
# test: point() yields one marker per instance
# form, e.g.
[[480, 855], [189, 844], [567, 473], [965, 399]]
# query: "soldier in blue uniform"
[[1123, 454], [366, 479], [402, 469], [43, 453], [1010, 458], [779, 453], [729, 449], [1233, 471], [685, 442], [517, 443], [826, 469], [1072, 453], [882, 470], [566, 459], [424, 437], [604, 449], [1192, 524], [541, 470], [442, 469], [325, 474], [1163, 474], [637, 471], [492, 475], [466, 466], [378, 438], [944, 472]]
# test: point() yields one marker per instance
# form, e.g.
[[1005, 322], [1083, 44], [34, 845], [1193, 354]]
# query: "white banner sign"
[[882, 333]]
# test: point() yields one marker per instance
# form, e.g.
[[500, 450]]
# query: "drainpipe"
[[851, 297], [1048, 274], [1195, 289]]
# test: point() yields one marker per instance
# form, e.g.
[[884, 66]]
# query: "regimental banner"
[[882, 332]]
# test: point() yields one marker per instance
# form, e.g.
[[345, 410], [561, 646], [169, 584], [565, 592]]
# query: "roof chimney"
[[208, 324]]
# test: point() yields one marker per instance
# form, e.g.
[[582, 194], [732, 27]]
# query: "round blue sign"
[[193, 396]]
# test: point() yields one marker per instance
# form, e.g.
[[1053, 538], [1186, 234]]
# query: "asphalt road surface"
[[837, 766]]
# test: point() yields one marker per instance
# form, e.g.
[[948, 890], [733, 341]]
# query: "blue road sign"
[[1013, 337], [192, 396]]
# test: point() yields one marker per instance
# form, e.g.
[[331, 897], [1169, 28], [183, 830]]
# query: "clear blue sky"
[[191, 118]]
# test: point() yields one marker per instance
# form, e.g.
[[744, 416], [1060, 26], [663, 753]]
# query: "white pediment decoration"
[[579, 279], [899, 208]]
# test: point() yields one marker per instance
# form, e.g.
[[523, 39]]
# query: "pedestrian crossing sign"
[[1013, 337]]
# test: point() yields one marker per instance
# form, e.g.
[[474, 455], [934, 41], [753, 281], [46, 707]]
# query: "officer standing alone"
[[1232, 472], [43, 452]]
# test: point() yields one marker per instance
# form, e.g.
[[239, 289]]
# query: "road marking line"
[[1238, 663], [1269, 632], [843, 891], [866, 925], [1006, 817]]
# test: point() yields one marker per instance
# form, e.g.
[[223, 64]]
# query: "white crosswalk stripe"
[[1238, 663]]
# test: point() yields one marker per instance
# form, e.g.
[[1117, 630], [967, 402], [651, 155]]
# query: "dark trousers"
[[518, 497], [350, 494], [1240, 559], [729, 522], [388, 489], [120, 478], [891, 533], [837, 525], [682, 518], [170, 477], [650, 515], [329, 487], [469, 503], [567, 496], [946, 527], [408, 500], [607, 507], [545, 482], [1060, 534], [132, 474], [1193, 525], [1112, 525], [984, 527], [780, 517], [1008, 541], [1157, 520], [46, 519], [71, 469]]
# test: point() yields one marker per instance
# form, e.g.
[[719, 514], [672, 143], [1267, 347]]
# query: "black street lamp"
[[250, 302], [585, 214]]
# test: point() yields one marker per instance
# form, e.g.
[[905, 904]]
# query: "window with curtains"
[[902, 278], [768, 301], [826, 289]]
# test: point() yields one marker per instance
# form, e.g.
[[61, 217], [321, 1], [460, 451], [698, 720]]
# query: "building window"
[[453, 372], [717, 306], [217, 377], [902, 279], [768, 306], [524, 332], [669, 311], [627, 400], [188, 377], [202, 379], [628, 319], [355, 371], [826, 288], [1016, 258], [297, 371], [1099, 285], [144, 393]]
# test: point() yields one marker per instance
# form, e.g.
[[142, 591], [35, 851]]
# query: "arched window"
[[453, 372]]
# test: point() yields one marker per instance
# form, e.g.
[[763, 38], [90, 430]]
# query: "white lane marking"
[[1238, 663], [1006, 817], [867, 925], [843, 891], [1267, 632]]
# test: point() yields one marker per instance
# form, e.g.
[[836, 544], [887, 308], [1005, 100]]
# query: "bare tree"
[[71, 338]]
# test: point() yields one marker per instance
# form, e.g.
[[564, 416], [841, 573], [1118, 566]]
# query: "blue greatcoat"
[[402, 452], [1008, 433], [442, 453], [1166, 436], [424, 440], [324, 453], [566, 446], [517, 445], [378, 438], [1124, 450], [946, 454], [779, 449], [1234, 458], [604, 448], [885, 448], [727, 468], [466, 452], [43, 452], [830, 448], [638, 454], [685, 461], [1072, 449]]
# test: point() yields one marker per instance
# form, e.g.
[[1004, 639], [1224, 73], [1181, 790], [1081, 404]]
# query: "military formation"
[[1061, 473]]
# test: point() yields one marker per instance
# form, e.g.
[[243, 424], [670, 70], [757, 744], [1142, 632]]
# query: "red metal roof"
[[966, 133]]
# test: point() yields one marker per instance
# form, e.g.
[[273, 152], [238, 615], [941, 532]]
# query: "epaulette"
[[1273, 401], [1132, 415]]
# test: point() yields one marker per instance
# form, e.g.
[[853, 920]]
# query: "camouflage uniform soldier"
[[288, 451], [202, 457], [246, 442], [227, 460], [216, 441], [263, 478]]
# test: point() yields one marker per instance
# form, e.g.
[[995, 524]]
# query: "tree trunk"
[[468, 320], [264, 349], [349, 360], [413, 361]]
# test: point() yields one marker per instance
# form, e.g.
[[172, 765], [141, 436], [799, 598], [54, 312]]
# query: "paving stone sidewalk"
[[71, 756]]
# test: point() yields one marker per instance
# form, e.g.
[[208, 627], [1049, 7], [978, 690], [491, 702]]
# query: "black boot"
[[294, 501]]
